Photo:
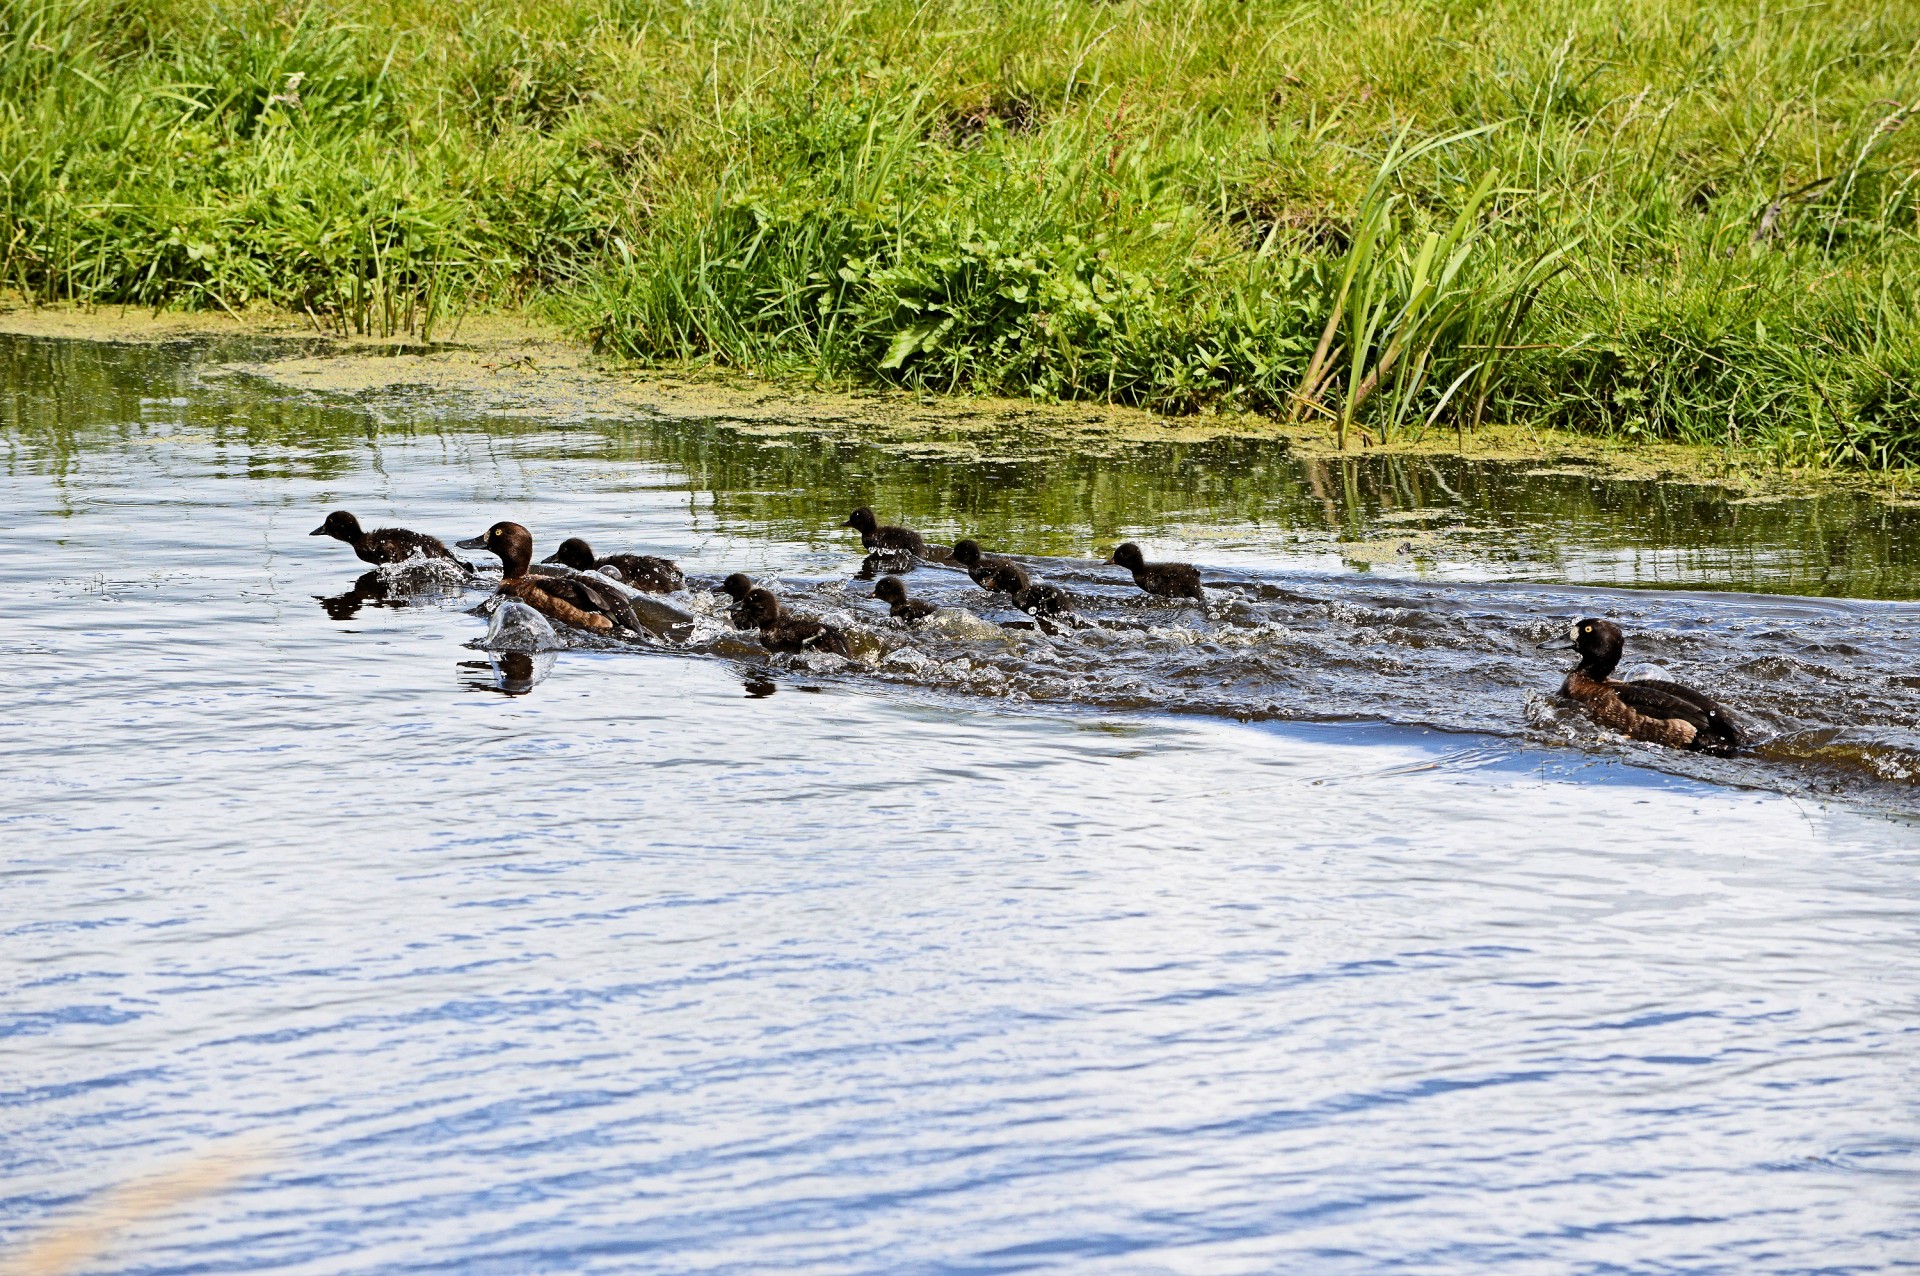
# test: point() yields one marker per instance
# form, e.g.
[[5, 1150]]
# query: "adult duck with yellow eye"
[[1646, 708], [567, 599]]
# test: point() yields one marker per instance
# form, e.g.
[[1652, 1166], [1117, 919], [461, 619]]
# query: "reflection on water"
[[974, 957], [1240, 501], [369, 589]]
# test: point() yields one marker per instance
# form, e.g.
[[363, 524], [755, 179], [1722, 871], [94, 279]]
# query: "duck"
[[737, 587], [908, 611], [1646, 708], [1039, 600], [643, 572], [875, 535], [383, 544], [980, 567], [782, 631], [571, 600], [1167, 580]]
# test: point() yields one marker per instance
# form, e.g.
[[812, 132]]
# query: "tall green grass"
[[1688, 220]]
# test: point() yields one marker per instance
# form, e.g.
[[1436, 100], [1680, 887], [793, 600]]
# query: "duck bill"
[[472, 542], [318, 531], [849, 523], [1559, 643], [550, 558]]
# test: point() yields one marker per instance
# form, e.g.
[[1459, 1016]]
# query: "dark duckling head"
[[736, 587], [966, 553], [864, 520], [1128, 555], [340, 525], [891, 590], [574, 553], [512, 542], [761, 607]]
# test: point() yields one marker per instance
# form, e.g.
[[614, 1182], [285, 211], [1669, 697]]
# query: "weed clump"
[[1685, 221]]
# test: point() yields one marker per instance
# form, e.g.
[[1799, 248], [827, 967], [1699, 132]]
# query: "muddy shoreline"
[[519, 365]]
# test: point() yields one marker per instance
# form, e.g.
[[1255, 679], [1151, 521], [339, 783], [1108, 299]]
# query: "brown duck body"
[[567, 599], [875, 535], [547, 595], [782, 631], [382, 545], [644, 572], [1166, 580], [1649, 709]]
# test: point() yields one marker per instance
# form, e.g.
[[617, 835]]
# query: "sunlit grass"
[[1687, 220]]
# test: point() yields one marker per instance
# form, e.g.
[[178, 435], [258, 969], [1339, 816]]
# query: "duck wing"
[[797, 633], [900, 540], [397, 545], [1657, 698], [590, 597], [647, 573]]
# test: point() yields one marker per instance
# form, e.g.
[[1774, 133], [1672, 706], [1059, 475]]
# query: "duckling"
[[571, 600], [908, 611], [874, 535], [780, 631], [737, 587], [1168, 580], [1645, 709], [1041, 601], [383, 544], [980, 566], [643, 572]]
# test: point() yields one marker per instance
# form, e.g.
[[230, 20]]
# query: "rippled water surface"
[[1303, 933]]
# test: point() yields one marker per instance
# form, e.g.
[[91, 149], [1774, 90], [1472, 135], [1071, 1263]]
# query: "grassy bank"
[[1691, 221]]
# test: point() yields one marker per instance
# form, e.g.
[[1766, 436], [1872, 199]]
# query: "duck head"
[[574, 553], [736, 587], [1599, 642], [891, 590], [966, 552], [762, 607], [512, 542], [340, 525], [1128, 556], [863, 519]]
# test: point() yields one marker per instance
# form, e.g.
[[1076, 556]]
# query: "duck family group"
[[570, 587]]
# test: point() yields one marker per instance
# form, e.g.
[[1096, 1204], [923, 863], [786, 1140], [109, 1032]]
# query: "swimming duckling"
[[908, 611], [383, 544], [1168, 580], [1041, 601], [875, 535], [780, 631], [981, 566], [737, 587], [643, 572], [1647, 708], [571, 600]]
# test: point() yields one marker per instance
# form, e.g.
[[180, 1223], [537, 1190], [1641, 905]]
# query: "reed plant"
[[1692, 220]]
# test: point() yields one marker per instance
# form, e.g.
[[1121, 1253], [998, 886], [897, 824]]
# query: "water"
[[1302, 936]]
